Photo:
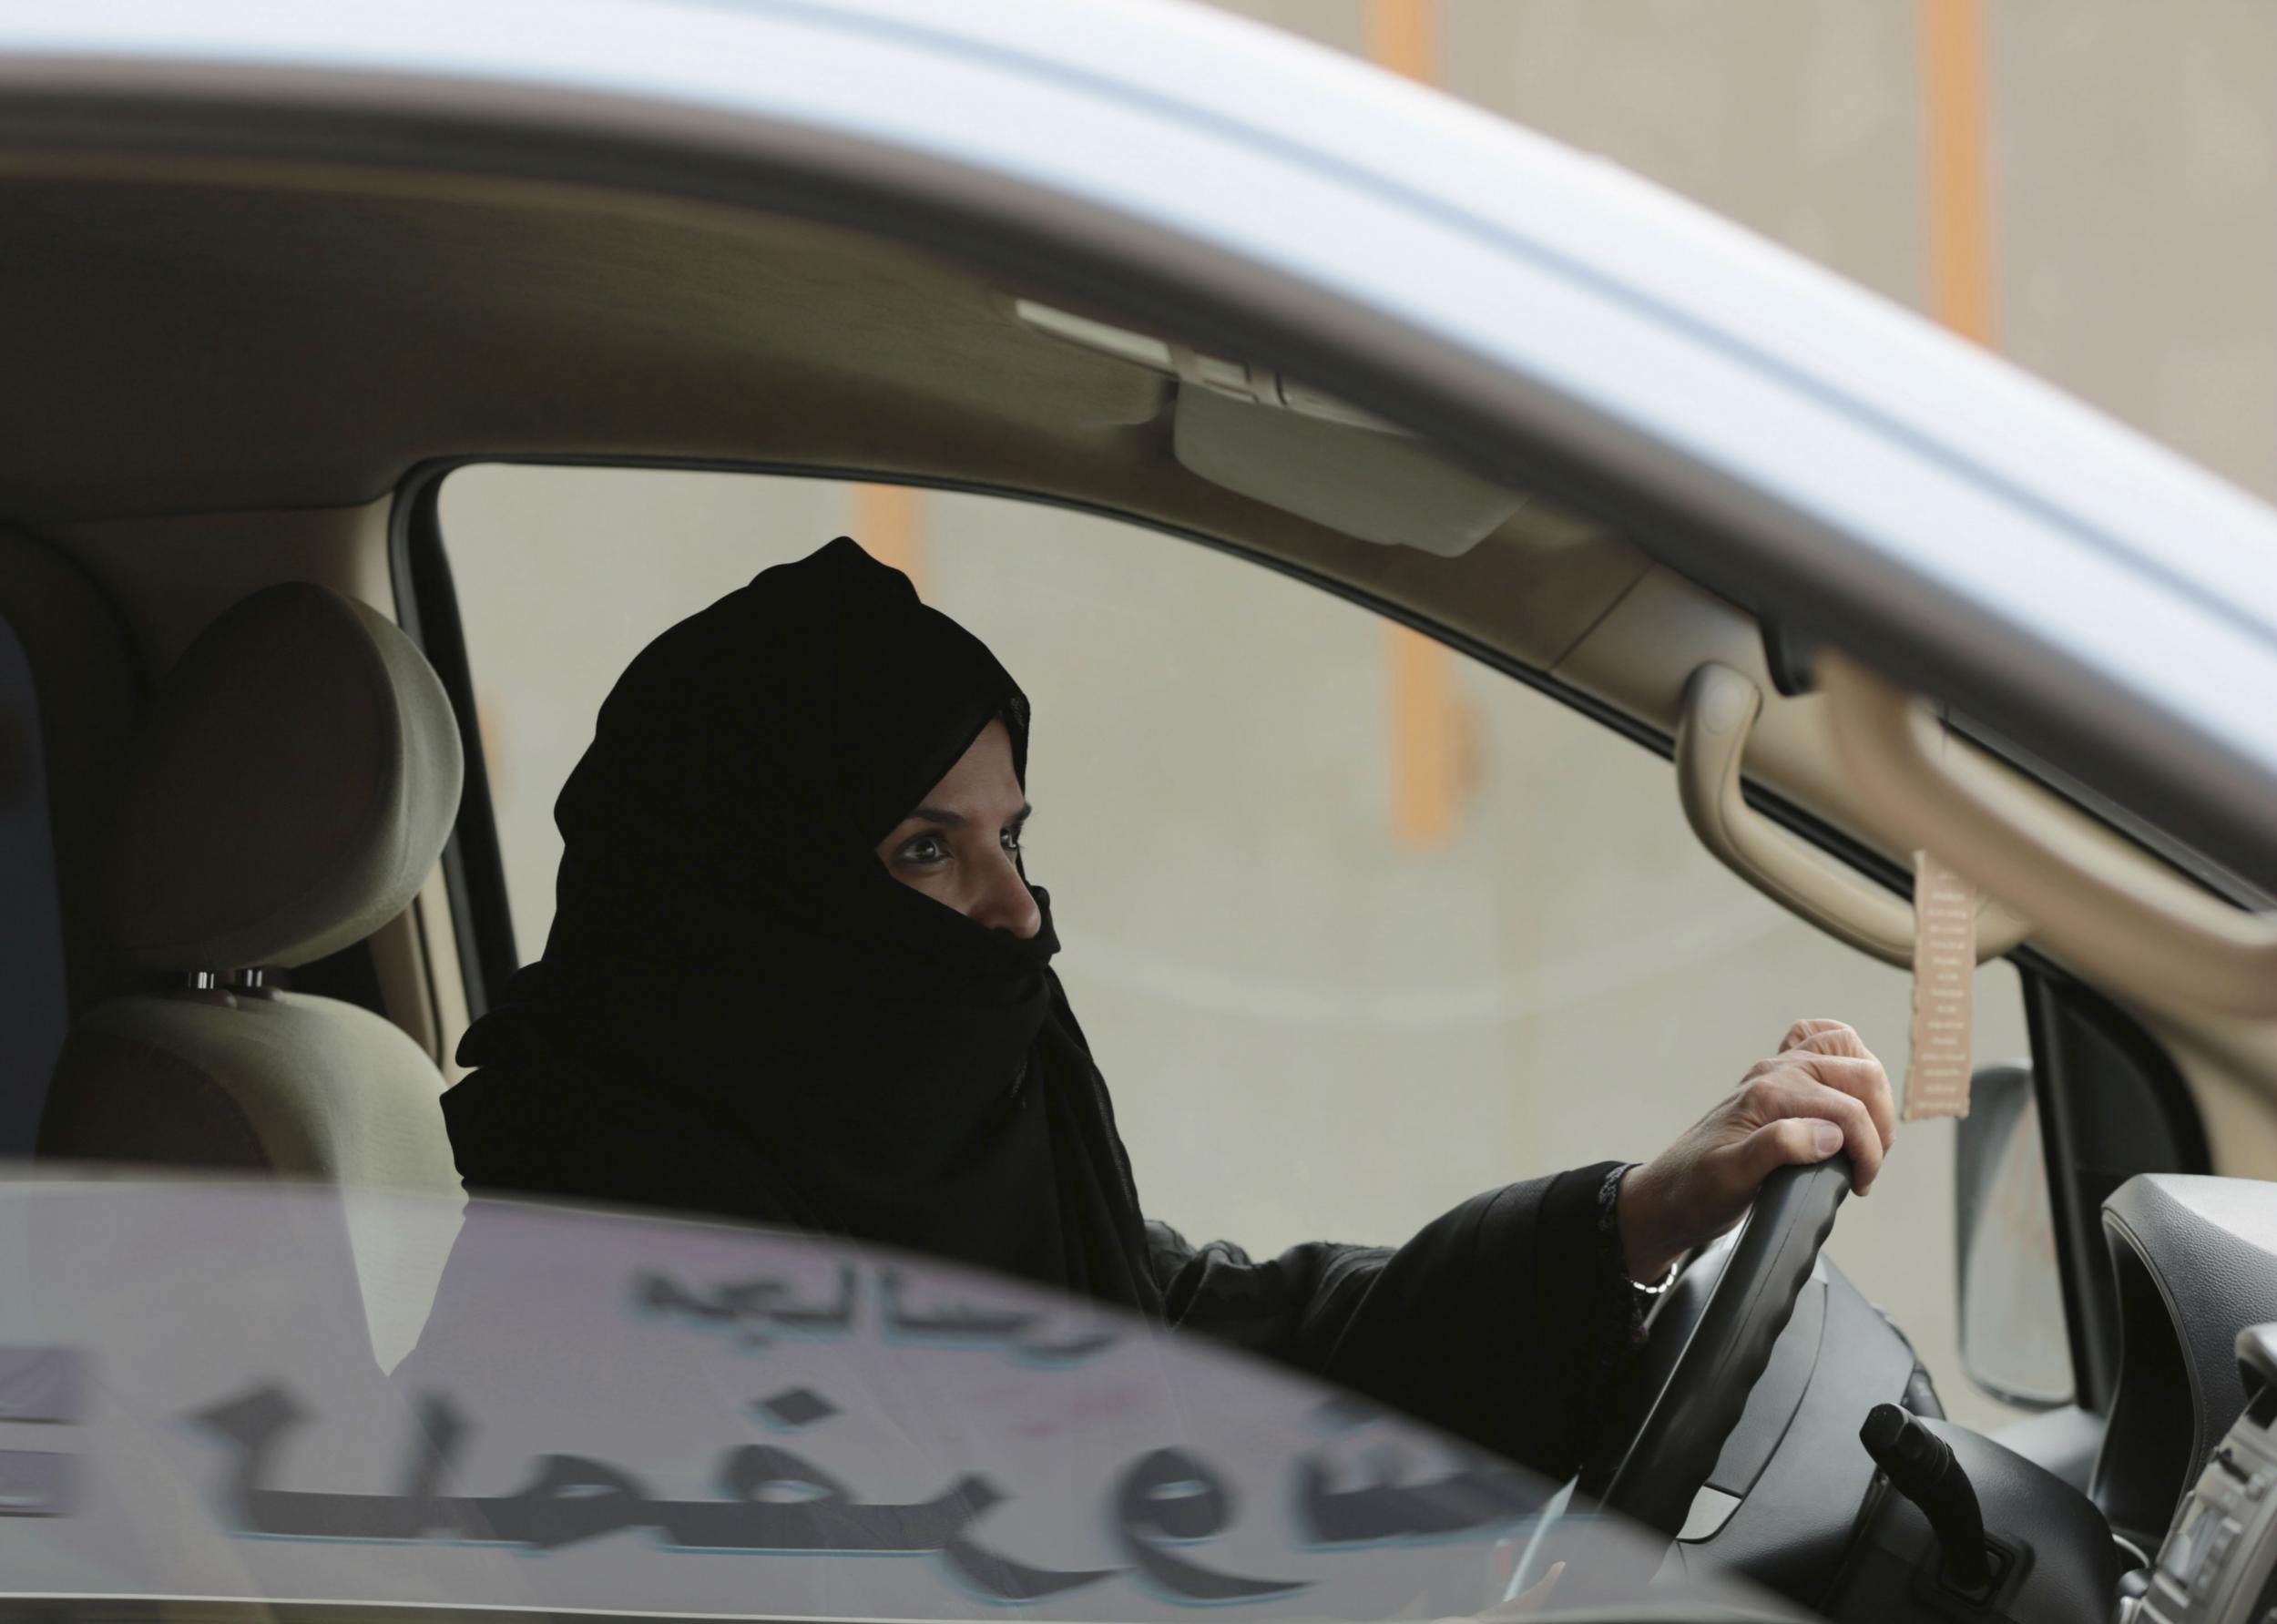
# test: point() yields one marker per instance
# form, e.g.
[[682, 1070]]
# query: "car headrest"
[[288, 792]]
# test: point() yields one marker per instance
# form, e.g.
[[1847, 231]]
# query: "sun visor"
[[1377, 484], [1268, 437]]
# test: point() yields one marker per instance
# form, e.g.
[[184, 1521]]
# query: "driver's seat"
[[288, 794]]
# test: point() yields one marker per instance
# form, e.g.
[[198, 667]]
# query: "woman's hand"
[[1823, 1091]]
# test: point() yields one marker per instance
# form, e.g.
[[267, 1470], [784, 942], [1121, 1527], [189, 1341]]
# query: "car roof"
[[1797, 443]]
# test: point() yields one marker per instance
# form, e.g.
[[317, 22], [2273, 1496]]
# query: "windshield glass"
[[240, 1393]]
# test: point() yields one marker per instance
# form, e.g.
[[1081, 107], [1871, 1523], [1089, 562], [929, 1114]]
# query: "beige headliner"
[[233, 341]]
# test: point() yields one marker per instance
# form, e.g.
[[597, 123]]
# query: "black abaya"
[[740, 1012]]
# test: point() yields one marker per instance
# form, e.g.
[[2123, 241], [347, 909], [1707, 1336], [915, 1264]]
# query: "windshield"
[[278, 1393]]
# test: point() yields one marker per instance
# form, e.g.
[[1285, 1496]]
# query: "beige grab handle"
[[1720, 705], [2130, 920]]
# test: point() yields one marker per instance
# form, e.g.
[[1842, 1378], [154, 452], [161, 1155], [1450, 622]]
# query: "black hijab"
[[740, 1011]]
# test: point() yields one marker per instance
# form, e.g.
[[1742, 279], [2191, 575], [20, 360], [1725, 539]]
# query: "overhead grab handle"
[[1720, 705], [2131, 921]]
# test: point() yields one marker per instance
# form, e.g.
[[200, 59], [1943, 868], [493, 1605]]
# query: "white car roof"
[[1808, 447]]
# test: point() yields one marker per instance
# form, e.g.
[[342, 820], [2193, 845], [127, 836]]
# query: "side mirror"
[[2014, 1342]]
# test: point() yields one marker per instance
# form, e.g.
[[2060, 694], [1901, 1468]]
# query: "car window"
[[1356, 929]]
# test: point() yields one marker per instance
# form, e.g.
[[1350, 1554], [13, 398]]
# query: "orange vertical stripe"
[[1427, 740], [1425, 713], [1959, 190], [1403, 36], [889, 520]]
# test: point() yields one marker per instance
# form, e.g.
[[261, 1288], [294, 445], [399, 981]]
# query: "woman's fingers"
[[1863, 1079], [1860, 1076], [1795, 1092], [1822, 1092], [1831, 1037]]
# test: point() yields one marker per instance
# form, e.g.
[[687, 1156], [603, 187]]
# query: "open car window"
[[1313, 874], [281, 1393]]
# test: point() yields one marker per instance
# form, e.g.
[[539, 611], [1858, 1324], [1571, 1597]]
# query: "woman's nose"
[[1007, 905]]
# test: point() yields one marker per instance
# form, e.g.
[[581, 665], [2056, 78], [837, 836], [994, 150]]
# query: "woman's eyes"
[[929, 849]]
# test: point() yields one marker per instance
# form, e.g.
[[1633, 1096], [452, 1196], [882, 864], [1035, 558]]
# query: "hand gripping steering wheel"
[[1683, 1433]]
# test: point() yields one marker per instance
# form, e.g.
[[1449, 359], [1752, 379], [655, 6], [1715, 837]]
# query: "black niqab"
[[741, 1011]]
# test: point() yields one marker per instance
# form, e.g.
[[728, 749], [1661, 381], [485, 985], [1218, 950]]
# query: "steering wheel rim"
[[1683, 1433]]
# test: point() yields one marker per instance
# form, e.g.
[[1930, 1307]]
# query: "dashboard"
[[2190, 1458], [2177, 1520]]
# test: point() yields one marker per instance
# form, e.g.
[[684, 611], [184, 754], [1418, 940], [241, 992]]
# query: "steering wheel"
[[1677, 1445]]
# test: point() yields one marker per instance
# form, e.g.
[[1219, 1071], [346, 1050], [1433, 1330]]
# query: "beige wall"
[[2130, 148], [1312, 1029]]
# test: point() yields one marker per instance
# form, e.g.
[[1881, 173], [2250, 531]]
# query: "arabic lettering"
[[258, 1424], [954, 1324], [771, 1500], [1171, 1496], [762, 1309], [758, 1308]]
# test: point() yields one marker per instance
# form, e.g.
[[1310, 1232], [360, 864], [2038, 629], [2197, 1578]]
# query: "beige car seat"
[[288, 794]]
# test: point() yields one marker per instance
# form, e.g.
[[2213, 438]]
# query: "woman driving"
[[798, 975]]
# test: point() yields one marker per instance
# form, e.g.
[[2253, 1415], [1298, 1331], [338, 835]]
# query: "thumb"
[[1790, 1141]]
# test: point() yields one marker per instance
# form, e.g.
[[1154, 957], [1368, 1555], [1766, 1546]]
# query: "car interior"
[[251, 826]]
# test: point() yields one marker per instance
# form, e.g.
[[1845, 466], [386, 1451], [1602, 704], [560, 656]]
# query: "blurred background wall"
[[1358, 929], [2089, 186]]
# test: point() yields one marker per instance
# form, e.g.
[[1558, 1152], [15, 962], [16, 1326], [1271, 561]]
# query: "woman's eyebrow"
[[943, 818]]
